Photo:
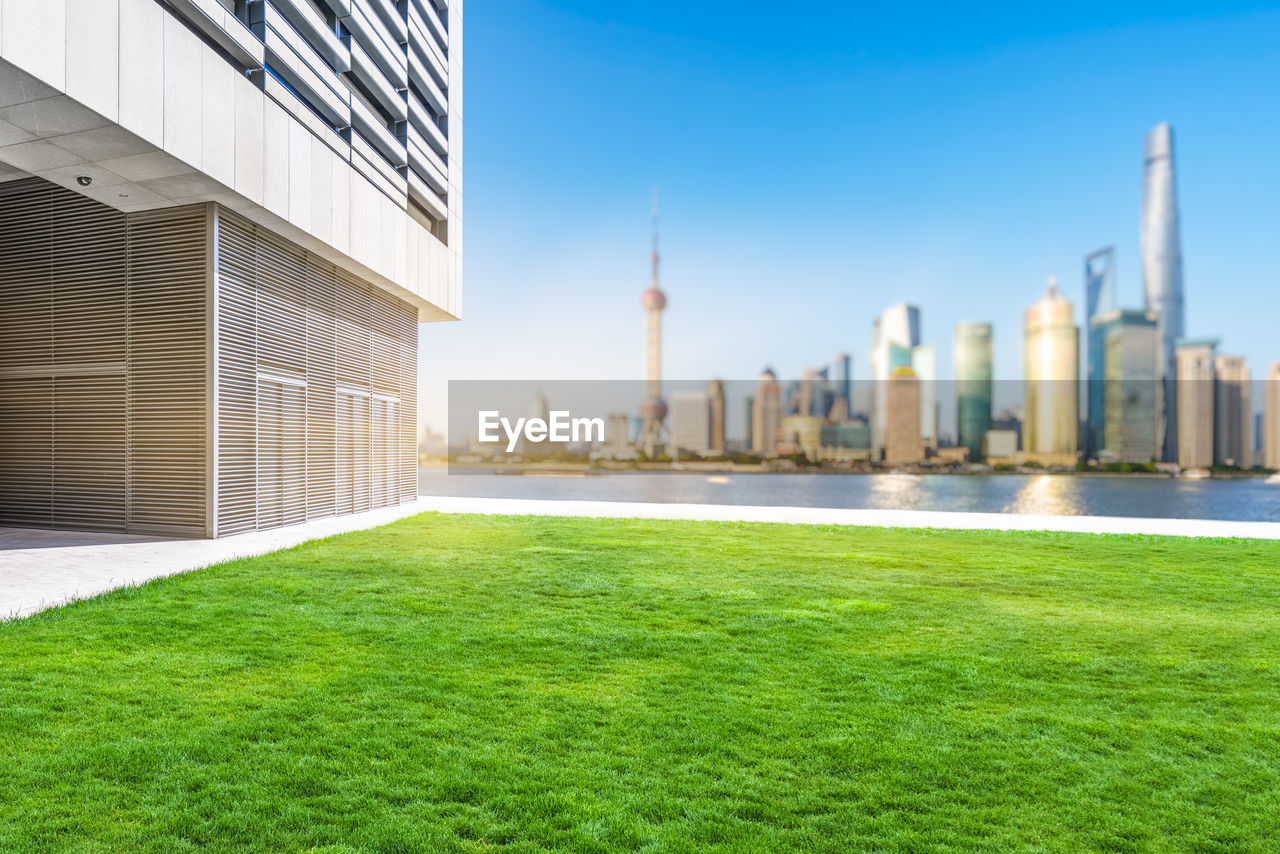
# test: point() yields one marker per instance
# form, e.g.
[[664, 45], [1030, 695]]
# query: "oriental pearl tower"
[[654, 409]]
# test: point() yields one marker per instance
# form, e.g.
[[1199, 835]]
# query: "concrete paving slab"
[[44, 569]]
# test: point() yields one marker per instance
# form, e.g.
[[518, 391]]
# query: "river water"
[[1249, 499]]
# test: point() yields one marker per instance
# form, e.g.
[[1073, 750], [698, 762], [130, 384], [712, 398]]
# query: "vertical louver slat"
[[167, 305]]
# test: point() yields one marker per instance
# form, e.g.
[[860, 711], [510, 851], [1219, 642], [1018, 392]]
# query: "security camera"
[[84, 180]]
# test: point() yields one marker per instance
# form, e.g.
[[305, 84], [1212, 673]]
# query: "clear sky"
[[820, 161]]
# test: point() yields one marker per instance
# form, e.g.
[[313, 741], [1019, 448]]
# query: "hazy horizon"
[[815, 169]]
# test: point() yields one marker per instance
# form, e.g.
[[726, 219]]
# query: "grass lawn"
[[527, 684]]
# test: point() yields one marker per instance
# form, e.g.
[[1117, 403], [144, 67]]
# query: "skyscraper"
[[1052, 424], [1100, 299], [924, 364], [654, 409], [843, 387], [766, 415], [1271, 420], [691, 422], [715, 391], [1232, 430], [893, 334], [903, 442], [1194, 377], [1128, 369], [1162, 269], [814, 393], [973, 357]]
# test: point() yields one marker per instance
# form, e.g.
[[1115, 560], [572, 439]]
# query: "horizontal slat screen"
[[102, 364], [315, 368], [168, 349]]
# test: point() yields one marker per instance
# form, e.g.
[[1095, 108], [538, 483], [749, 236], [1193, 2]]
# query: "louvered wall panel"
[[90, 350], [407, 336], [26, 274], [90, 487], [102, 364], [90, 265], [311, 345], [385, 469], [26, 451], [282, 453], [282, 319], [237, 377], [168, 349], [26, 342], [322, 330]]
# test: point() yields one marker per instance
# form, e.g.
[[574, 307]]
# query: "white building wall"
[[123, 92]]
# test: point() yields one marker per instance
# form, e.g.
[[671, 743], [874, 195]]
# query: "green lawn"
[[523, 684]]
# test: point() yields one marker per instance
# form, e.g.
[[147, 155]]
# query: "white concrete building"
[[221, 224]]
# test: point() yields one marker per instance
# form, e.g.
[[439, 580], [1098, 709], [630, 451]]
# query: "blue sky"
[[818, 162]]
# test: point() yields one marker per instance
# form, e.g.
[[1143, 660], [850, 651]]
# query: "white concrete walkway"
[[42, 569]]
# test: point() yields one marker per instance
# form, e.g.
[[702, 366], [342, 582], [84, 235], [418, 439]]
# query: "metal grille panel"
[[102, 364], [311, 386]]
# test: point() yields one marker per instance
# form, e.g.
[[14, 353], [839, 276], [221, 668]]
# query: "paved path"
[[41, 569]]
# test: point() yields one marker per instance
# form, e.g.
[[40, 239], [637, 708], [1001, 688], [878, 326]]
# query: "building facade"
[[903, 442], [1129, 405], [1232, 413], [842, 408], [691, 422], [220, 227], [1162, 270], [1051, 428], [765, 411], [924, 364], [1100, 299], [1271, 419], [972, 358], [715, 391], [1195, 380], [893, 335]]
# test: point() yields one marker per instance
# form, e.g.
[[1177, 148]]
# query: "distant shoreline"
[[551, 468]]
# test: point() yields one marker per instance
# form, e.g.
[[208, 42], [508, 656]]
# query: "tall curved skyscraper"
[[1162, 269]]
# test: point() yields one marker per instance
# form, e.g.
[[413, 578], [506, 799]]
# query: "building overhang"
[[127, 105]]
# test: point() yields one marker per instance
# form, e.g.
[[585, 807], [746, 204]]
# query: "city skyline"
[[959, 185]]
